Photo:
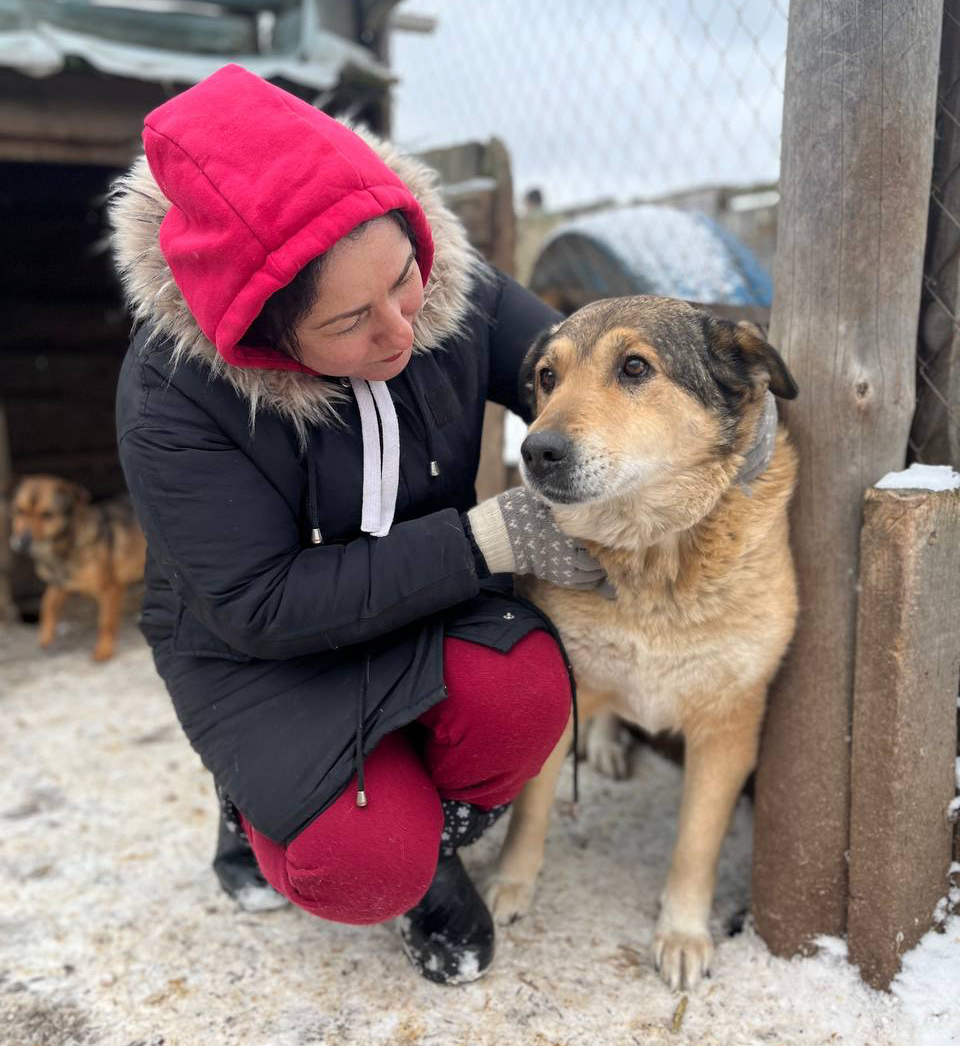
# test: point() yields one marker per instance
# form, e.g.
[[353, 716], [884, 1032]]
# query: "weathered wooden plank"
[[856, 159], [479, 190], [904, 723], [73, 118]]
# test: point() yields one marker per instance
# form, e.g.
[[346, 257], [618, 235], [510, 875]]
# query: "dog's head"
[[632, 393], [43, 510]]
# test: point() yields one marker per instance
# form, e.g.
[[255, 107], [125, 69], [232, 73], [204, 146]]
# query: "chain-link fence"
[[935, 438], [643, 137], [644, 144]]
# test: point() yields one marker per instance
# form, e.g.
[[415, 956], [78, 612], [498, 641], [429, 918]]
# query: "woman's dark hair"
[[275, 327]]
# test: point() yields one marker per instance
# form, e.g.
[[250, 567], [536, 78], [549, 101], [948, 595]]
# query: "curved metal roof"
[[652, 249]]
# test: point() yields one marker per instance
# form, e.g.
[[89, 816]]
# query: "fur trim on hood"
[[136, 209]]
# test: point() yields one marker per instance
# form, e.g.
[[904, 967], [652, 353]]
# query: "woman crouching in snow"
[[299, 419]]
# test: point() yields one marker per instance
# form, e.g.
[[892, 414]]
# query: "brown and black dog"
[[645, 409], [96, 550]]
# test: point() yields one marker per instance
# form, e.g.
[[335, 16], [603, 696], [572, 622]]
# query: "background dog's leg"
[[718, 759], [510, 889], [51, 604], [608, 746], [111, 599]]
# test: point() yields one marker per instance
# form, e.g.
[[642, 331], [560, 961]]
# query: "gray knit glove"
[[517, 534]]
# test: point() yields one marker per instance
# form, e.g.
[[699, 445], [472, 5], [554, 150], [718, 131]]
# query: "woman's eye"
[[547, 379], [635, 366], [353, 326]]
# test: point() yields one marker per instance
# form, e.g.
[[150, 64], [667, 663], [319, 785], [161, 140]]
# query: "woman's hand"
[[517, 534]]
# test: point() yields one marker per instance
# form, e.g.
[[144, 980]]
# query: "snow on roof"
[[43, 49], [683, 254], [921, 477]]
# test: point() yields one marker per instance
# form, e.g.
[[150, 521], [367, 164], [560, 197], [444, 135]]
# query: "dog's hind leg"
[[608, 746], [51, 605], [108, 621], [718, 758]]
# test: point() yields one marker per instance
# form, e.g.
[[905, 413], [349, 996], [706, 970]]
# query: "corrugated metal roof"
[[40, 38]]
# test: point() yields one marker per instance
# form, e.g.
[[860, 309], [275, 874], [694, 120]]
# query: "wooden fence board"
[[904, 723]]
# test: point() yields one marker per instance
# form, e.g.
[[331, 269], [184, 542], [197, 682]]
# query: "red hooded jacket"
[[282, 185]]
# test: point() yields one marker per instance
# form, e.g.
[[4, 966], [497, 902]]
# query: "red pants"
[[503, 716]]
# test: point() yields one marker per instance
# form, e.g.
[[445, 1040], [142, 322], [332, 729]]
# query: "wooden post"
[[856, 158], [478, 187], [904, 723]]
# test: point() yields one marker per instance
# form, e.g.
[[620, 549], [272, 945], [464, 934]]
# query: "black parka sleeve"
[[228, 543], [518, 317]]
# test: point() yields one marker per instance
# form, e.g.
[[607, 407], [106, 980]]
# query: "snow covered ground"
[[113, 931]]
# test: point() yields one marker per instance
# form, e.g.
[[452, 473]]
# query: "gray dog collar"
[[760, 454]]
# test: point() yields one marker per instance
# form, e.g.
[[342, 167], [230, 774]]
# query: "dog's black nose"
[[544, 451]]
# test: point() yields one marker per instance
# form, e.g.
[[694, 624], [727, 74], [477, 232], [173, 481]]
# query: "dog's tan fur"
[[76, 547], [706, 597]]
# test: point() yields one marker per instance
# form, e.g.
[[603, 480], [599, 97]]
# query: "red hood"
[[283, 183]]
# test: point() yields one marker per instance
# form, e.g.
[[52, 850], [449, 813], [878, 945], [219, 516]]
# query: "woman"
[[299, 421]]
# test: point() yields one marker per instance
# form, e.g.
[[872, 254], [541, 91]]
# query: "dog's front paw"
[[508, 899], [102, 651], [682, 959]]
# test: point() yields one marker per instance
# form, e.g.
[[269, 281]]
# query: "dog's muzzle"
[[548, 462]]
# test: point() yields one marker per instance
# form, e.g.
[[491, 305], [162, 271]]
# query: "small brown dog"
[[96, 550]]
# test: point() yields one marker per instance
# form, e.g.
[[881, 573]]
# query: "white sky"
[[600, 97]]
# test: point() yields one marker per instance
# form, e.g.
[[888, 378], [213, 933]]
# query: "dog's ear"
[[81, 496], [743, 358], [69, 496], [528, 394]]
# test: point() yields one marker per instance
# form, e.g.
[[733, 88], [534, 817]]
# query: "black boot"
[[236, 867], [448, 936]]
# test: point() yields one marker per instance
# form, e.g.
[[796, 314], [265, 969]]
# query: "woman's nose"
[[397, 331]]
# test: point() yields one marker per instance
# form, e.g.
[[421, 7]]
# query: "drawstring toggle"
[[316, 537], [434, 469]]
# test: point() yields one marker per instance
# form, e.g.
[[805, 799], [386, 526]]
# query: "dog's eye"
[[547, 379], [635, 366]]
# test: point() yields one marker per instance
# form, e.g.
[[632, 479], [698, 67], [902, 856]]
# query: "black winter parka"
[[286, 661]]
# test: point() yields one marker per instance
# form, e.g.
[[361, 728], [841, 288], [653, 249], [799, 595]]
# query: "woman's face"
[[362, 324]]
